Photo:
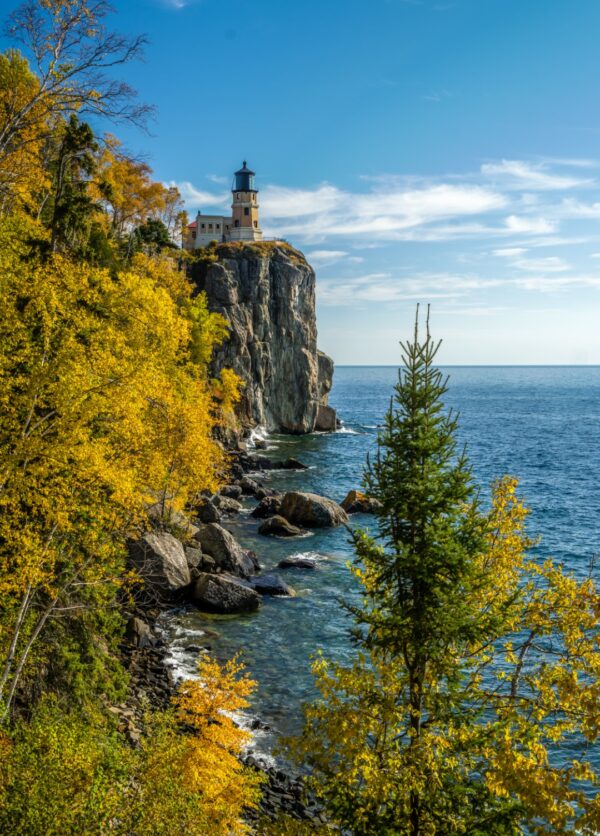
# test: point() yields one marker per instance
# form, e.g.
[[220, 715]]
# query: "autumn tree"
[[102, 406], [73, 772], [22, 172], [474, 661], [73, 55]]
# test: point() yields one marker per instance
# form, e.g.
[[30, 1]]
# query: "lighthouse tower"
[[244, 223]]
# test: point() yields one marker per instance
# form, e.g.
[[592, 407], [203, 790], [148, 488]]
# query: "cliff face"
[[267, 293]]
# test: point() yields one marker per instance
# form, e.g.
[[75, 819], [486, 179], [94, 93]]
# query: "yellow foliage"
[[102, 408], [70, 772], [129, 192], [22, 176], [194, 782], [532, 685]]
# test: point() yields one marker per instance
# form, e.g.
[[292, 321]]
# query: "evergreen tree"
[[71, 207]]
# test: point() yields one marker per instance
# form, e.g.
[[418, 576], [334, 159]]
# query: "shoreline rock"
[[297, 562], [311, 510], [357, 502], [225, 550], [224, 594], [278, 526], [272, 584], [160, 560]]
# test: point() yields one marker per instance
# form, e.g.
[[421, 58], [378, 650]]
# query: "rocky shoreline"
[[201, 564], [145, 656]]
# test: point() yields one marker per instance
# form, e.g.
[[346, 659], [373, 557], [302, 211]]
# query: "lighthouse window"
[[203, 226], [217, 226], [237, 223], [246, 210], [210, 226]]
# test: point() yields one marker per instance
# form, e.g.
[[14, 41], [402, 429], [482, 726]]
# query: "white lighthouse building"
[[243, 225]]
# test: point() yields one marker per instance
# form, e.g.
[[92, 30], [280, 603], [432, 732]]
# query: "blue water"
[[541, 424]]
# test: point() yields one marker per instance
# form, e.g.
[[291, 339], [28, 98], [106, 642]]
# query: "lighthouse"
[[245, 225]]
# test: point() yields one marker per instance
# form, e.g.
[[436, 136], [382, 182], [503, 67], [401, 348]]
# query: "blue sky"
[[443, 151]]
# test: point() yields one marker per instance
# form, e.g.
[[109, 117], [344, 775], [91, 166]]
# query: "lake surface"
[[541, 424]]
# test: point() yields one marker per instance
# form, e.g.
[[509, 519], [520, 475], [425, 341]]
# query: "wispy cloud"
[[379, 214], [438, 96], [536, 226], [325, 256], [504, 198], [384, 287], [521, 175], [509, 252], [551, 264], [196, 198]]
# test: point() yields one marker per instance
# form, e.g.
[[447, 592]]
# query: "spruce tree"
[[474, 660], [420, 574]]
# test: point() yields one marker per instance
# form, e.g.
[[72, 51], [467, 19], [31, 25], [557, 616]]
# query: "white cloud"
[[456, 289], [379, 214], [524, 175], [282, 202], [535, 226], [197, 198], [326, 256], [571, 208], [509, 252], [551, 264], [217, 178]]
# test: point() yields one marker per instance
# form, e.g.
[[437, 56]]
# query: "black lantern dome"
[[244, 179]]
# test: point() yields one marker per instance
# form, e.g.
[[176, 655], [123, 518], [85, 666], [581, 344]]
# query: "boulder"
[[231, 491], [272, 584], [359, 503], [326, 419], [297, 561], [252, 556], [225, 550], [208, 564], [224, 594], [292, 464], [249, 486], [278, 526], [312, 510], [160, 560], [262, 493], [193, 557], [227, 505], [267, 507], [207, 512], [138, 633]]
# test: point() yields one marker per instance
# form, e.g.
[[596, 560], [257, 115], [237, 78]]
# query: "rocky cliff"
[[266, 291]]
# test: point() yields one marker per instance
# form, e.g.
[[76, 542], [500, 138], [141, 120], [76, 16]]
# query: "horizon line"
[[475, 365]]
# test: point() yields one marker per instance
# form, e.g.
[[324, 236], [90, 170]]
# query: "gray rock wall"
[[266, 291]]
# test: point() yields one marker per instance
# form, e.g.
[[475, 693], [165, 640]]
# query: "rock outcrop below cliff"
[[266, 291]]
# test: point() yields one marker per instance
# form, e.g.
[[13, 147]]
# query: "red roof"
[[193, 225]]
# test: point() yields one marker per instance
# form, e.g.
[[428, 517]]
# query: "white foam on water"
[[183, 665], [318, 557], [257, 434], [347, 431]]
